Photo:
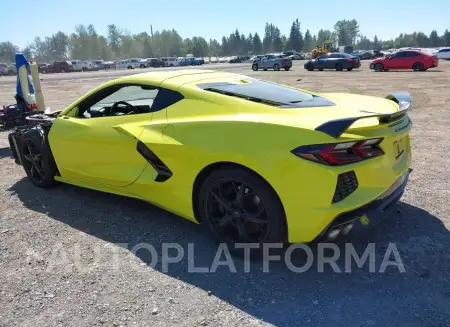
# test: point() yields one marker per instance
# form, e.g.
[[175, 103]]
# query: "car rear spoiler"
[[337, 127]]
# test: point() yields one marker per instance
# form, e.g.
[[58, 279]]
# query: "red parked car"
[[408, 59]]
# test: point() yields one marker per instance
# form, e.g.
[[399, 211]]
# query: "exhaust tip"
[[332, 234], [347, 229]]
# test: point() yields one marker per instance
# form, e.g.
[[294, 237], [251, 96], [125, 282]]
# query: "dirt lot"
[[38, 228]]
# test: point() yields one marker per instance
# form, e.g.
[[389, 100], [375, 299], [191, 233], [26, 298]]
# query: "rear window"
[[260, 91]]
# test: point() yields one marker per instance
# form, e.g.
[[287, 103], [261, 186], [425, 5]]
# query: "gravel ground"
[[68, 255]]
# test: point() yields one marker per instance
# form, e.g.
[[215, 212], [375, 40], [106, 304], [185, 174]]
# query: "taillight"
[[351, 60], [336, 154]]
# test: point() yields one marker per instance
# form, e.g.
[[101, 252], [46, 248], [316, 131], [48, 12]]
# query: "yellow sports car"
[[254, 160]]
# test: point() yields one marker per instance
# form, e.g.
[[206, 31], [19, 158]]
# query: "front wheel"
[[37, 159], [349, 69], [255, 67], [379, 67], [287, 68], [238, 206]]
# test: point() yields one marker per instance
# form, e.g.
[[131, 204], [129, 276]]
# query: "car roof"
[[410, 50], [173, 79], [416, 51]]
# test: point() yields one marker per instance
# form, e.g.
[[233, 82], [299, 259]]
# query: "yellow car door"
[[92, 143], [101, 150]]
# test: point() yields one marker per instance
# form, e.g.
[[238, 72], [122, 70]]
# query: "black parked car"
[[235, 60], [363, 55], [333, 60]]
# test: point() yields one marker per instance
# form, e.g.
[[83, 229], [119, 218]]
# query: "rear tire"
[[276, 67], [417, 67], [226, 199], [349, 69], [37, 158], [287, 68]]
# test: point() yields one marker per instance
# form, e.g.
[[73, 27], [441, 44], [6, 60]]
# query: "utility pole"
[[151, 30]]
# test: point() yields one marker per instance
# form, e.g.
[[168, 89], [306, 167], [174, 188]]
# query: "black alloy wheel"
[[37, 158], [238, 206], [237, 212], [33, 161]]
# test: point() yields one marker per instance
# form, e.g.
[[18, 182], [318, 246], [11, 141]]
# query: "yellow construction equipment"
[[327, 47]]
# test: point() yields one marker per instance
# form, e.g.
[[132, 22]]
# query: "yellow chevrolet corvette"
[[255, 161]]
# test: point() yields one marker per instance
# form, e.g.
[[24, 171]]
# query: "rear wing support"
[[335, 128]]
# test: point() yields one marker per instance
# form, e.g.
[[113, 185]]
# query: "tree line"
[[86, 44]]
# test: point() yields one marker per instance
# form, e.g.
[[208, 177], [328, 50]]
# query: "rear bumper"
[[370, 214]]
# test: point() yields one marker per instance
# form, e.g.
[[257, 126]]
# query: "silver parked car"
[[272, 61]]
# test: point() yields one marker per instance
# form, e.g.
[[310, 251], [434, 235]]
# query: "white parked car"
[[144, 63], [87, 65], [443, 53], [128, 63], [169, 61], [3, 69], [77, 65]]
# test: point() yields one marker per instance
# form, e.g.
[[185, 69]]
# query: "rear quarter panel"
[[195, 139]]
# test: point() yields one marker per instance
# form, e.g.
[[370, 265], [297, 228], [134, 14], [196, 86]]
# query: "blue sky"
[[215, 18]]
